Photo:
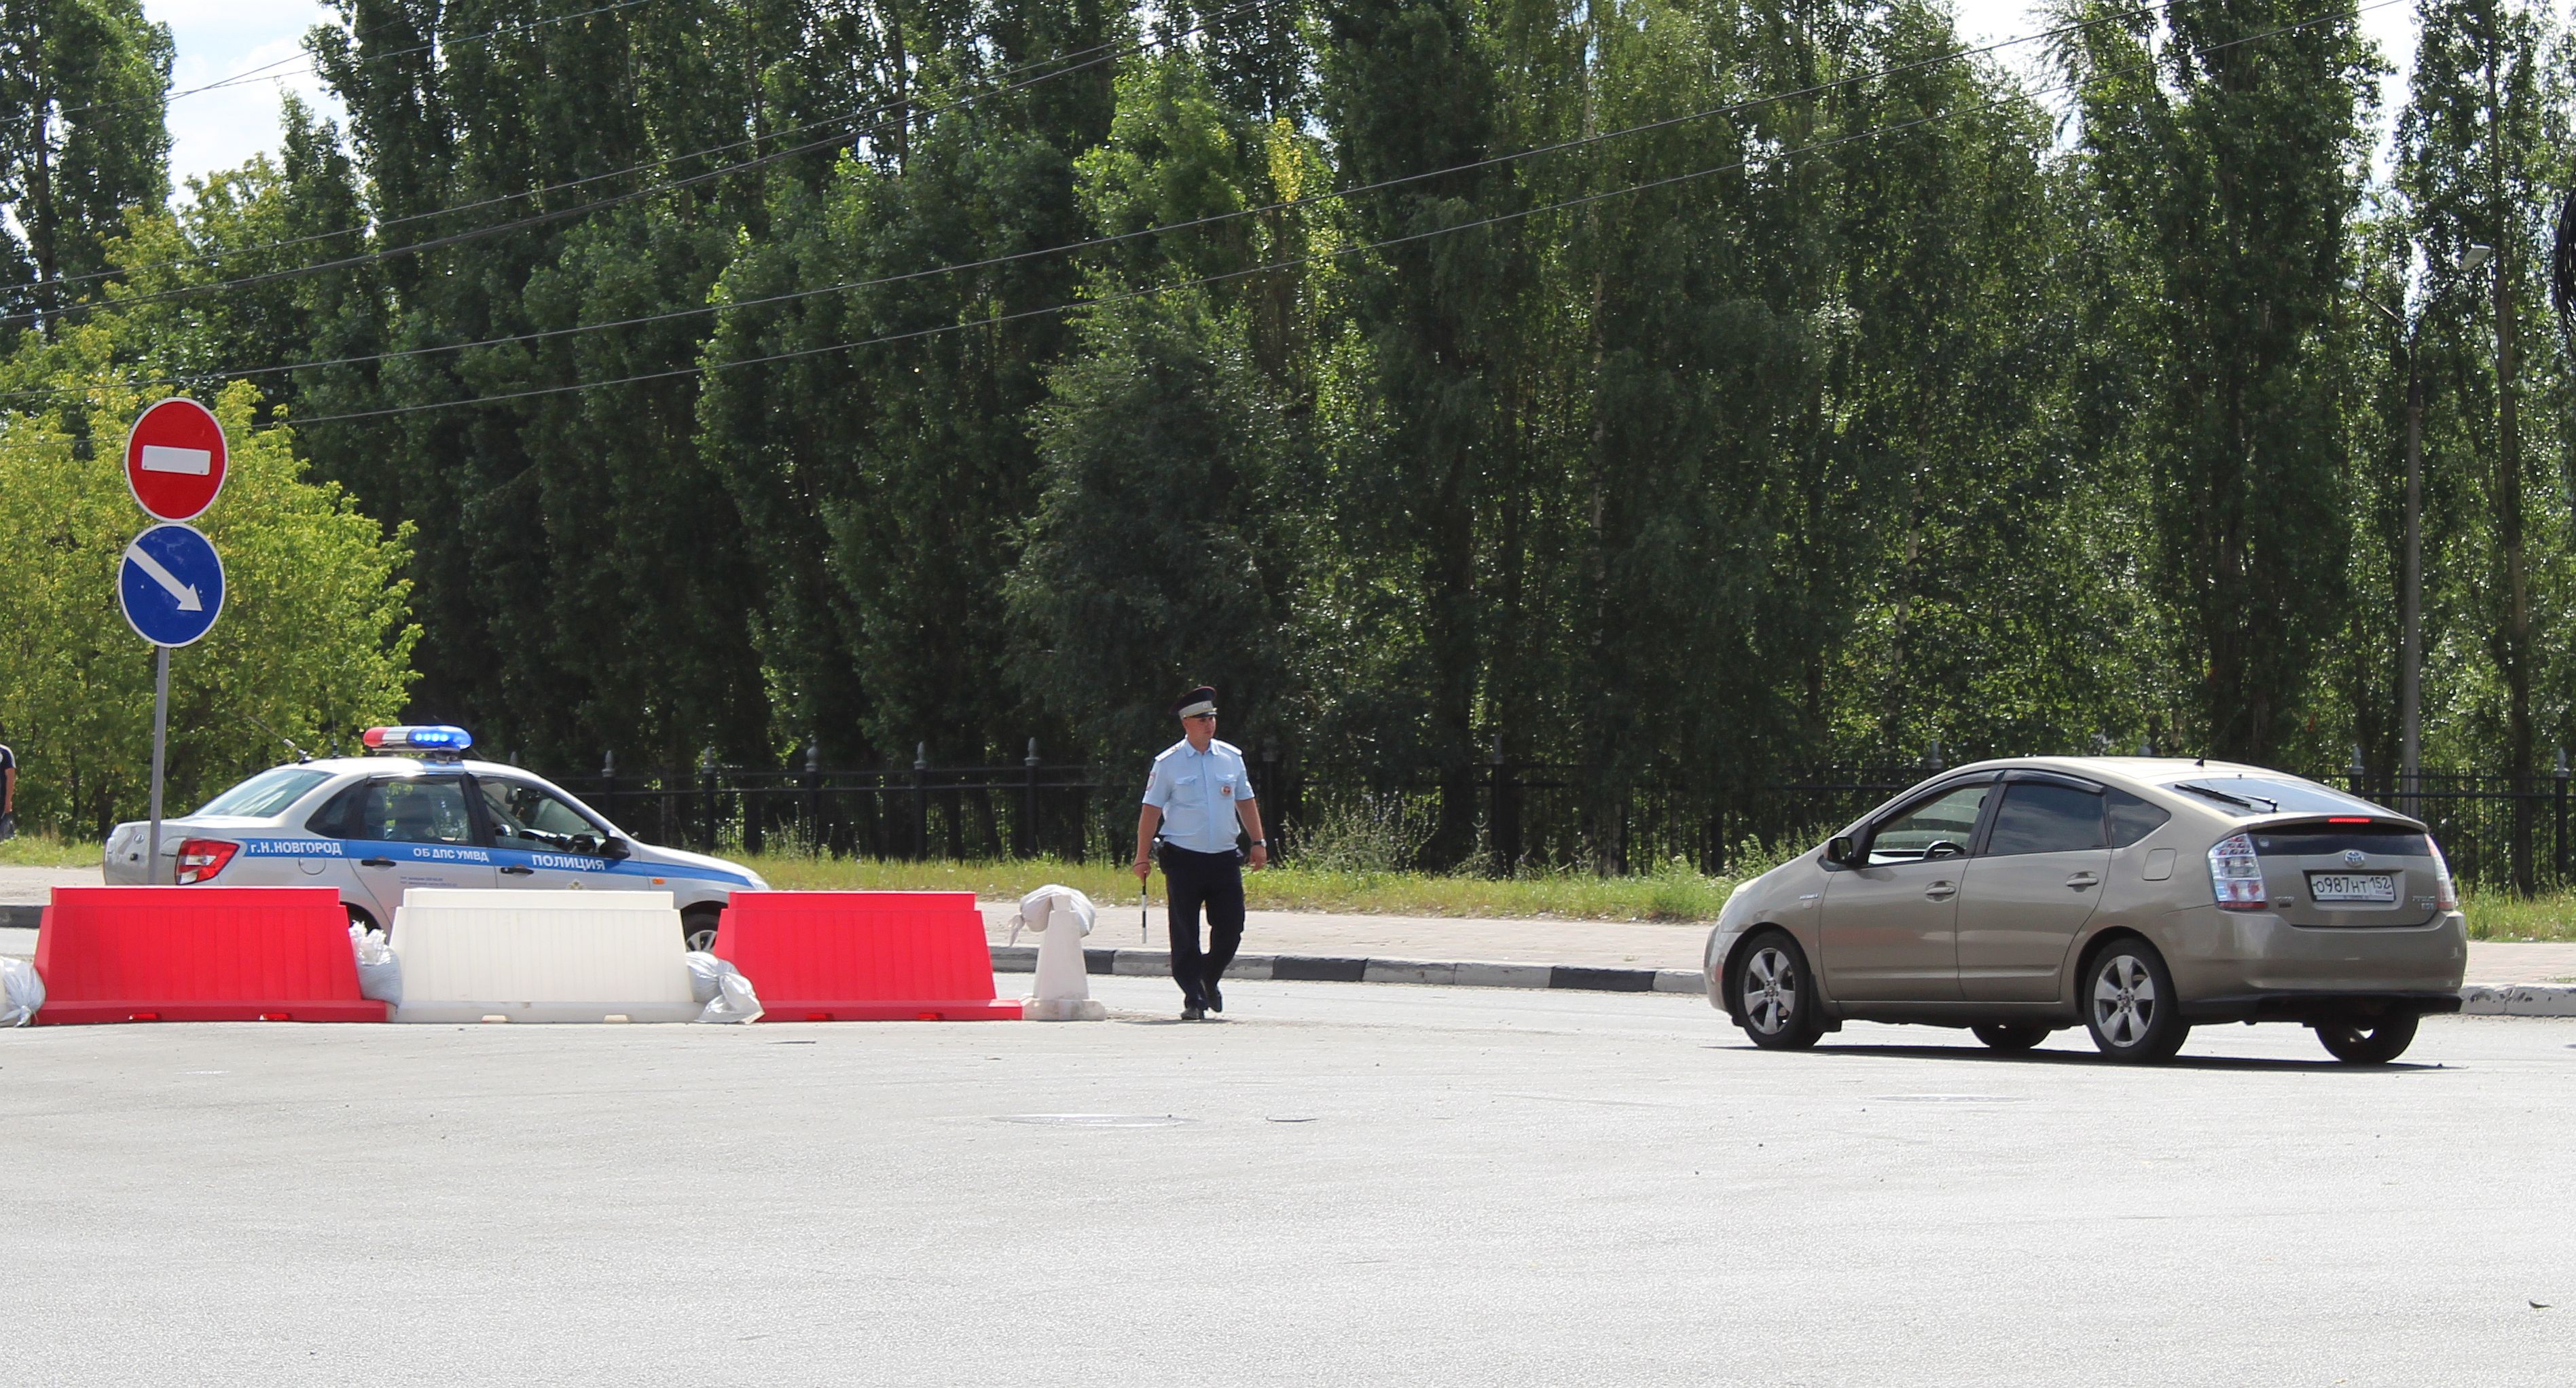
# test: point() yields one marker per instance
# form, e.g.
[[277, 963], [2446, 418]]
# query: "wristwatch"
[[1261, 843]]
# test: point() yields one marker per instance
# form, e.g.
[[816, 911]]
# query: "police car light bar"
[[430, 738]]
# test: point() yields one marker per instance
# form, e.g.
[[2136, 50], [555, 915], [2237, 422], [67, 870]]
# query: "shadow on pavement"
[[2185, 1061]]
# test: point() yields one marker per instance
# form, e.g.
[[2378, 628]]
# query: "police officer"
[[1197, 795], [8, 792]]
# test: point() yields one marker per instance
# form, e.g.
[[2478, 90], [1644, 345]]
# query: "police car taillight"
[[435, 737], [201, 859]]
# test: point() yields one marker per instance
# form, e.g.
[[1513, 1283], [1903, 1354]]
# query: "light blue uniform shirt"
[[1197, 792]]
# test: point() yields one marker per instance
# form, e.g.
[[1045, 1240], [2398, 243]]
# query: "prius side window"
[[2133, 819], [1936, 828], [2044, 817]]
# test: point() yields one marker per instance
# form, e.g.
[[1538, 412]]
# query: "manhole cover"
[[1096, 1120]]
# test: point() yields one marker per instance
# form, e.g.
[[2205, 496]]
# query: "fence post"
[[707, 779], [1028, 834], [2559, 797], [921, 801], [608, 783], [812, 781], [2357, 773], [1497, 820]]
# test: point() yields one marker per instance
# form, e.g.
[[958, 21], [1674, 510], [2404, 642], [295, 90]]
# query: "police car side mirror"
[[615, 848]]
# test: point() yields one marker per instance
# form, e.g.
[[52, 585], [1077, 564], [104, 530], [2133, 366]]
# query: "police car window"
[[423, 811], [524, 816], [266, 793]]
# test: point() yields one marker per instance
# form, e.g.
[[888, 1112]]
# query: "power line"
[[1337, 253], [253, 74], [856, 113], [1071, 247]]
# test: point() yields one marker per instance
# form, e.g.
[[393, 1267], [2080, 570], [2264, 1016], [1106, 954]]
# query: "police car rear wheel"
[[699, 928]]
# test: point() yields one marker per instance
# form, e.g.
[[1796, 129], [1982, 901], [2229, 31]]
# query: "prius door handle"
[[2082, 879], [375, 862], [1939, 890], [514, 870]]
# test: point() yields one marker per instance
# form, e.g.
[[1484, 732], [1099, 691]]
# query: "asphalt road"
[[1356, 1184]]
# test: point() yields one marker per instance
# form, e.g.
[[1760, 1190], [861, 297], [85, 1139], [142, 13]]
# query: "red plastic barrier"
[[863, 956], [199, 954]]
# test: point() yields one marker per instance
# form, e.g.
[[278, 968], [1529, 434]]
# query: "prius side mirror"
[[1842, 850], [615, 848]]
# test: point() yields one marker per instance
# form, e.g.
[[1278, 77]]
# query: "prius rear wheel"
[[2130, 1004]]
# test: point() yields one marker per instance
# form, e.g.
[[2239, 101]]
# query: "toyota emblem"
[[2352, 857]]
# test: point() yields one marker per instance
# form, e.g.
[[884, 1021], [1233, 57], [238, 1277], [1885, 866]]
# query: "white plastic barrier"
[[470, 956]]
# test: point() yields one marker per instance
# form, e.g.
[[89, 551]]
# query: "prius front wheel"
[[2376, 1044], [1777, 994]]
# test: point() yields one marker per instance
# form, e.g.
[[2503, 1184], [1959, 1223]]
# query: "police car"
[[419, 815]]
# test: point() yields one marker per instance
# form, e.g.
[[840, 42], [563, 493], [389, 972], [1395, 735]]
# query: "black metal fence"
[[2497, 831]]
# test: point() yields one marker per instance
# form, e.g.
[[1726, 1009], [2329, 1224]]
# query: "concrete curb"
[[2480, 1000], [1322, 968], [21, 917], [2519, 1000]]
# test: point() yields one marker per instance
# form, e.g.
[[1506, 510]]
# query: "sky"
[[220, 39]]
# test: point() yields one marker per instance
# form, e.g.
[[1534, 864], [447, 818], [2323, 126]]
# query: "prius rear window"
[[2247, 796]]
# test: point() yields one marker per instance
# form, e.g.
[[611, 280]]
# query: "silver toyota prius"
[[2136, 897]]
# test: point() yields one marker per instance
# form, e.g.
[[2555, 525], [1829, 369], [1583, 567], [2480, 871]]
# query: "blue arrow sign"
[[172, 585]]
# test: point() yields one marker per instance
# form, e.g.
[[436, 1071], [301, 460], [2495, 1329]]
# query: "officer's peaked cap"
[[1197, 701]]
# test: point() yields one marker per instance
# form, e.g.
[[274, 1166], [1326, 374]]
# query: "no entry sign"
[[174, 459]]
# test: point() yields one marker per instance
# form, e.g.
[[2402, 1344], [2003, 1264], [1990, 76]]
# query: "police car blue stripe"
[[493, 857]]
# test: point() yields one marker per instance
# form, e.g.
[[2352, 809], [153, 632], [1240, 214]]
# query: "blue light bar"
[[436, 737]]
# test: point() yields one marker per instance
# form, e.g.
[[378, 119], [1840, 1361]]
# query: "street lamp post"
[[2410, 660]]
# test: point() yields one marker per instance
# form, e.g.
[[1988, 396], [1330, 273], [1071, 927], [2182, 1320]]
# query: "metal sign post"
[[171, 583], [160, 741]]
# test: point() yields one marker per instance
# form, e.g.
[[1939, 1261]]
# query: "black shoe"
[[1193, 1013], [1216, 1000]]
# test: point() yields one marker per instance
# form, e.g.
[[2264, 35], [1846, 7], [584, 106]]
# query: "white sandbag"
[[1055, 905], [1061, 992], [379, 969], [22, 991], [728, 995]]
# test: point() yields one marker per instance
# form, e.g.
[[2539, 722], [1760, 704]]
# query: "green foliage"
[[314, 641], [1844, 405], [81, 143]]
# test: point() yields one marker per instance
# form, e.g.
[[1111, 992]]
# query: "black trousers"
[[1215, 881]]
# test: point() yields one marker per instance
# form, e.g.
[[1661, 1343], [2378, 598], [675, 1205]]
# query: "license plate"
[[2352, 886]]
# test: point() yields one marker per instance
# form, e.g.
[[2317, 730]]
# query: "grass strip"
[[47, 851], [1668, 895]]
